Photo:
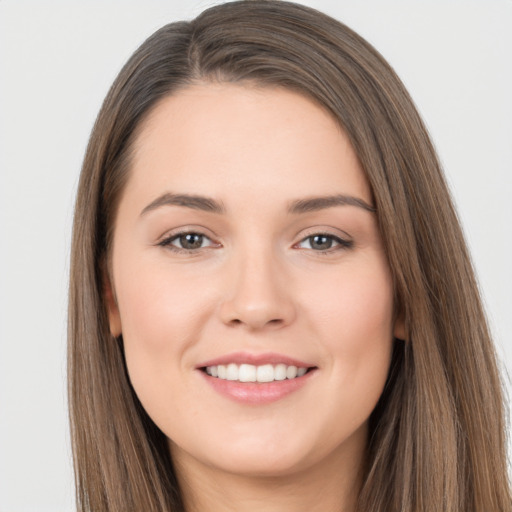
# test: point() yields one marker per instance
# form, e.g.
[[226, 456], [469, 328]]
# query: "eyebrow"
[[313, 204], [206, 204], [298, 206]]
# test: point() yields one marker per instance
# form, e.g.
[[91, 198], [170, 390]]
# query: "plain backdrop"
[[57, 60]]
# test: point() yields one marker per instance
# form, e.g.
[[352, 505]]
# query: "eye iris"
[[191, 241], [321, 242]]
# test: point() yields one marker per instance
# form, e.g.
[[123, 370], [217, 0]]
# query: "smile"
[[256, 379], [253, 373]]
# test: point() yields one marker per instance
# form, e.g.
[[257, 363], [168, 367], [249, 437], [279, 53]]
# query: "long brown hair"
[[437, 437]]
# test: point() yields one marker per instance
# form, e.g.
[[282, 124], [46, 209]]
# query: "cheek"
[[160, 316], [355, 308], [355, 323], [156, 304]]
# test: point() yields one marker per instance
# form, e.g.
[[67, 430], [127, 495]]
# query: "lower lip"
[[257, 392]]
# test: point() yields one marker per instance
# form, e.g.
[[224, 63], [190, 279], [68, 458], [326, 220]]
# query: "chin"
[[263, 464], [261, 457]]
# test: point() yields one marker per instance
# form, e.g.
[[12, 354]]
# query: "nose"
[[257, 294]]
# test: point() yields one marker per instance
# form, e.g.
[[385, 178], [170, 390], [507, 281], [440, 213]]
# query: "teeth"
[[265, 373], [280, 372], [247, 373], [232, 372], [251, 373], [291, 372]]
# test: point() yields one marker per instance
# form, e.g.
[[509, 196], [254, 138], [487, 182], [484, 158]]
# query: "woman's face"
[[245, 247]]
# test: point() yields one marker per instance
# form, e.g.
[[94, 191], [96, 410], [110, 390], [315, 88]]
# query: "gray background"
[[57, 60]]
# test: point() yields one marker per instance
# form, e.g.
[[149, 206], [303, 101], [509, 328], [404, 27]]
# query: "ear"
[[114, 318], [399, 327]]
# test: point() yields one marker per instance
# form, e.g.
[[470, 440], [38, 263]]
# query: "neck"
[[330, 486]]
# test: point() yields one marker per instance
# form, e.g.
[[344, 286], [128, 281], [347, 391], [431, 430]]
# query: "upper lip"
[[255, 359]]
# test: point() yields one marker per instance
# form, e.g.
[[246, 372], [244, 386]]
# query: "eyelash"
[[166, 242], [342, 244]]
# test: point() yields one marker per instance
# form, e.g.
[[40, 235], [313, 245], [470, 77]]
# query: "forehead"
[[229, 139]]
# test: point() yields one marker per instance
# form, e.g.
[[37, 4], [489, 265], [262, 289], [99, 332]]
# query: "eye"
[[186, 241], [325, 243]]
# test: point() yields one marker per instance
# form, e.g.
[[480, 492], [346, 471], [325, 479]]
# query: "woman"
[[271, 304]]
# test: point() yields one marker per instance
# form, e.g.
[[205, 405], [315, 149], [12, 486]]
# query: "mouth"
[[256, 373], [256, 379]]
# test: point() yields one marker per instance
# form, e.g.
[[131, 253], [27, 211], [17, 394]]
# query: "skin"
[[257, 284]]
